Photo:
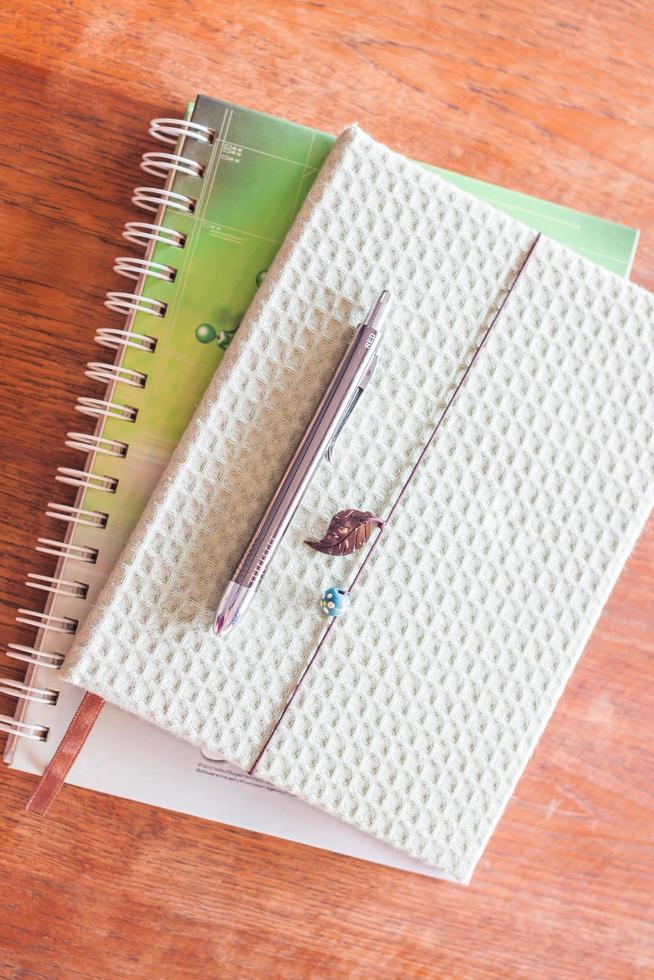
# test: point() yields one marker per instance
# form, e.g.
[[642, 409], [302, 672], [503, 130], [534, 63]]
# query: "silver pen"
[[352, 375]]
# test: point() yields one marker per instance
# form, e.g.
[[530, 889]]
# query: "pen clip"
[[363, 384]]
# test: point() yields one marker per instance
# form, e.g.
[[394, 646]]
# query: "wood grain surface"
[[552, 97]]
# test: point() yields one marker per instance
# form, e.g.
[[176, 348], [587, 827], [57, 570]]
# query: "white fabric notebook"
[[427, 699]]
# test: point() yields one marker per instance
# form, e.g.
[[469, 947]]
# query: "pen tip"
[[232, 605], [225, 621]]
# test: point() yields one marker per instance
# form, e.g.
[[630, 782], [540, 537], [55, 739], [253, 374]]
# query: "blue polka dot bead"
[[335, 602]]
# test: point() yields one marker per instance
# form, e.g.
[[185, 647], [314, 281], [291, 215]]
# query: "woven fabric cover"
[[427, 698]]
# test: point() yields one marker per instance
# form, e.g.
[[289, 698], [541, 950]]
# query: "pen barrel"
[[332, 408]]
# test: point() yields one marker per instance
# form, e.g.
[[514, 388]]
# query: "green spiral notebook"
[[223, 188]]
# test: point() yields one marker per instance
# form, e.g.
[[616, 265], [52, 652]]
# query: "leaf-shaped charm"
[[347, 532]]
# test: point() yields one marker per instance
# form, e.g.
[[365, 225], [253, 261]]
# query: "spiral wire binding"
[[154, 198], [77, 515], [161, 164], [18, 689], [127, 303], [147, 235], [172, 130], [30, 655], [89, 443], [142, 233], [108, 337], [99, 408], [58, 586], [90, 481], [127, 265], [99, 371], [64, 549]]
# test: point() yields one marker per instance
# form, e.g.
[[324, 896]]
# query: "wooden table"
[[553, 97]]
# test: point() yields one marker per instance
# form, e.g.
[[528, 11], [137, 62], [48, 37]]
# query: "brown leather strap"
[[76, 734]]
